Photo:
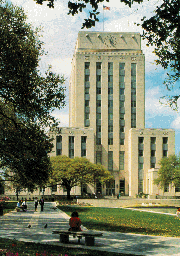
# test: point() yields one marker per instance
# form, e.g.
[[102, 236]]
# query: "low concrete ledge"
[[115, 203]]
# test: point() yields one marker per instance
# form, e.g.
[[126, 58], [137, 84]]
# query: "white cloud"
[[152, 105], [62, 66], [63, 117], [176, 123]]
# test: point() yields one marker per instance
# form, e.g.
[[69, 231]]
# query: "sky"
[[59, 34]]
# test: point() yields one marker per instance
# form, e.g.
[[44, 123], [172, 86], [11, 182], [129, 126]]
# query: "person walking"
[[36, 203], [41, 202]]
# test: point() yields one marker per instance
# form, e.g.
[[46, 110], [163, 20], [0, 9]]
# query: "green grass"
[[17, 248], [126, 221]]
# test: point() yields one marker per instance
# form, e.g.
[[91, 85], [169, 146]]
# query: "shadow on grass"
[[118, 228]]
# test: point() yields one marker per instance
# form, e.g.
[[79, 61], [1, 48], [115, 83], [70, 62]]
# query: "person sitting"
[[75, 222], [19, 206], [24, 205], [178, 213]]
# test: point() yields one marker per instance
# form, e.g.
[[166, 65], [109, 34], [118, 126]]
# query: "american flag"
[[106, 8]]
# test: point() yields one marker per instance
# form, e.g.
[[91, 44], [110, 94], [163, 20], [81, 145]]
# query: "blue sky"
[[59, 36]]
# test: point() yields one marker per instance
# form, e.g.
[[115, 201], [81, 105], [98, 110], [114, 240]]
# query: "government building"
[[107, 116]]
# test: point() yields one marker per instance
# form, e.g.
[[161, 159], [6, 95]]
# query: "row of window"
[[133, 95], [121, 101], [71, 146], [110, 104], [153, 149], [110, 159]]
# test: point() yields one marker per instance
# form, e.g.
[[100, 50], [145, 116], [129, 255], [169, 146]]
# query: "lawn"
[[126, 221]]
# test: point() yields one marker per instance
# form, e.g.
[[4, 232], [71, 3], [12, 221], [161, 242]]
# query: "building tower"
[[107, 94]]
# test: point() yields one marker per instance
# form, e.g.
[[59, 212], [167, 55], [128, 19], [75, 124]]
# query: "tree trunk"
[[68, 193], [17, 194]]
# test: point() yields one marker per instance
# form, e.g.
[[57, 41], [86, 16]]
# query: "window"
[[83, 139], [141, 140], [165, 140], [153, 152], [98, 141], [71, 146], [98, 157], [121, 91], [110, 90], [122, 186], [98, 90], [110, 160], [86, 103], [110, 141], [133, 104], [98, 65], [98, 103], [110, 116], [121, 141], [121, 116], [153, 140], [133, 91], [133, 116], [110, 103], [86, 78], [165, 153], [59, 139], [86, 90], [86, 116], [152, 165], [110, 128], [58, 145], [87, 65], [122, 129], [140, 166], [110, 78], [98, 78], [140, 152], [98, 115], [98, 128], [121, 160]]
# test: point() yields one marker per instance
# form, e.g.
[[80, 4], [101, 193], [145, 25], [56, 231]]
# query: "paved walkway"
[[14, 225]]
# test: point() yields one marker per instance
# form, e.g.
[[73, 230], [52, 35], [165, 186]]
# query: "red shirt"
[[75, 222]]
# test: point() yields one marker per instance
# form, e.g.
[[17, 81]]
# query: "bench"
[[89, 236], [24, 209]]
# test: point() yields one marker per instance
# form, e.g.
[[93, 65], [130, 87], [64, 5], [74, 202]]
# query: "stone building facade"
[[107, 114]]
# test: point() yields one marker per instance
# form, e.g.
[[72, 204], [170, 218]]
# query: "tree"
[[161, 30], [73, 172], [27, 99], [169, 171]]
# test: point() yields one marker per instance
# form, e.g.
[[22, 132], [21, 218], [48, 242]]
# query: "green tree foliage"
[[27, 99], [169, 171], [162, 31], [73, 172]]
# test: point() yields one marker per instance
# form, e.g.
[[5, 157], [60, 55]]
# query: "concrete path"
[[14, 225]]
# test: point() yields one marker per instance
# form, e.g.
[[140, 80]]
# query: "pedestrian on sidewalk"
[[41, 202], [36, 203]]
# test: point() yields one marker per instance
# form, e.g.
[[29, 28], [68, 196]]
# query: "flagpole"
[[103, 18]]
